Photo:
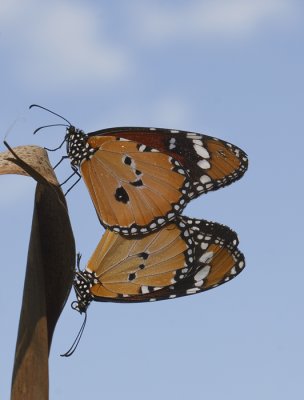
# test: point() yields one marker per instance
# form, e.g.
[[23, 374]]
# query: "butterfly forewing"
[[182, 258], [134, 191], [212, 163]]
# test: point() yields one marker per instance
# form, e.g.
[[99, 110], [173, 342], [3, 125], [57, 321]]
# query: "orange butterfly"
[[185, 257], [139, 179]]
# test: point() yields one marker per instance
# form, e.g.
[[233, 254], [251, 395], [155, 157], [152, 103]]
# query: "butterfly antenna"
[[48, 126], [78, 337], [52, 112]]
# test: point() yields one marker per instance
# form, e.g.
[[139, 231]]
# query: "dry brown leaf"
[[34, 156]]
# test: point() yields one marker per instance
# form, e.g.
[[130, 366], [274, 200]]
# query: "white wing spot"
[[205, 179], [193, 135], [201, 151], [204, 245], [233, 271], [192, 290], [202, 273], [144, 289], [204, 164], [206, 257]]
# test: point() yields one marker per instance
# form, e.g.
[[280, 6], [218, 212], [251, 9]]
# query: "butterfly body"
[[78, 148], [141, 178]]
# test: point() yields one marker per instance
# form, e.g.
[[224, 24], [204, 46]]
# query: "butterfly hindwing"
[[183, 258]]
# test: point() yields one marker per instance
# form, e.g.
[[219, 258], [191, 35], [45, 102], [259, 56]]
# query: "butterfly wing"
[[135, 189], [212, 163], [183, 258]]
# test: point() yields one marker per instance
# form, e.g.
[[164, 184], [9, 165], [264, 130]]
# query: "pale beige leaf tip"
[[34, 156]]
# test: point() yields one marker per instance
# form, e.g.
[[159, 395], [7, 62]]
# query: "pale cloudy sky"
[[228, 68]]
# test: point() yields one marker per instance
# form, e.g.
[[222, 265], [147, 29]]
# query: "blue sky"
[[229, 68]]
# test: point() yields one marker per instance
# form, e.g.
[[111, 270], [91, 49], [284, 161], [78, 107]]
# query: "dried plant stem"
[[49, 275]]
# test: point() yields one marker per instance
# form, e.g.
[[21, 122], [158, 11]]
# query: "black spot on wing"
[[127, 160], [132, 276], [143, 255], [121, 195], [137, 183]]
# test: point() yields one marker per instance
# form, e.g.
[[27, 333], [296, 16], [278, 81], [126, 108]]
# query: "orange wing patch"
[[223, 160], [133, 191], [220, 265], [125, 266]]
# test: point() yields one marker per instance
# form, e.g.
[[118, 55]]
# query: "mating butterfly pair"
[[140, 180]]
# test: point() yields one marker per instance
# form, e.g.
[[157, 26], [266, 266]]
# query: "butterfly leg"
[[75, 183], [60, 161]]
